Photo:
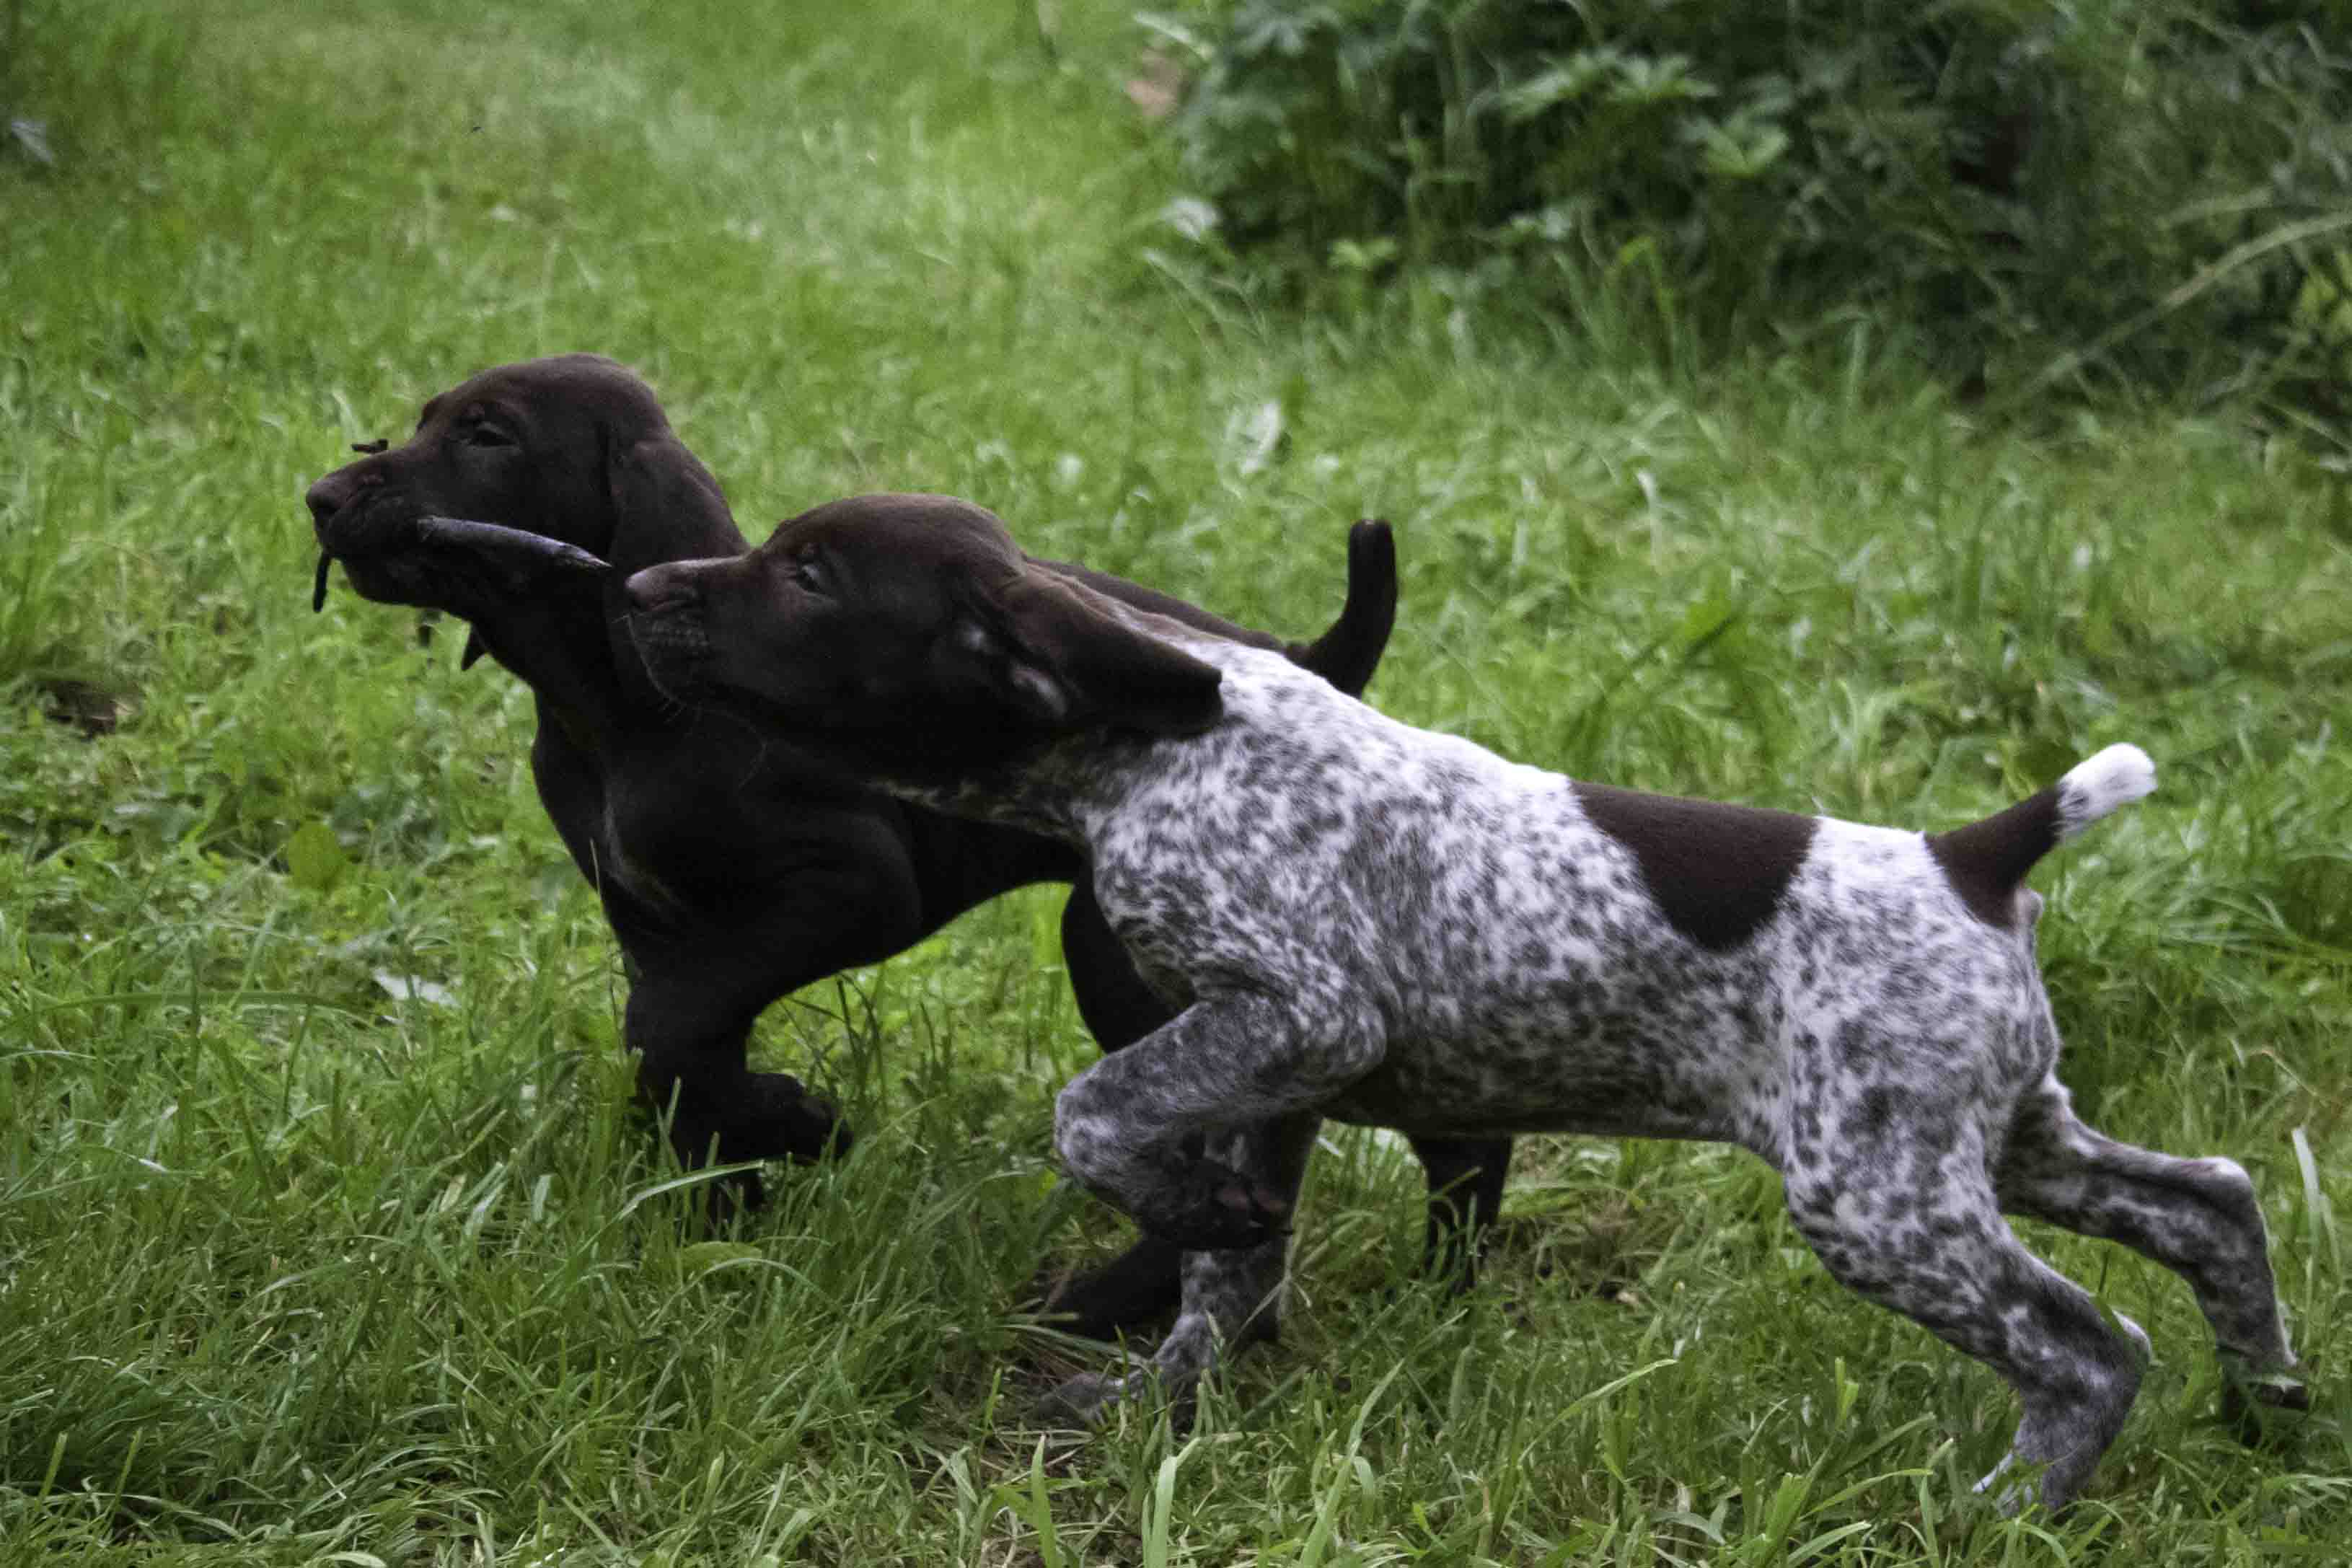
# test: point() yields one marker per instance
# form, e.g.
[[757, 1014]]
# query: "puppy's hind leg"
[[1909, 1220], [1231, 1298], [1141, 1284], [2196, 1217], [1465, 1194]]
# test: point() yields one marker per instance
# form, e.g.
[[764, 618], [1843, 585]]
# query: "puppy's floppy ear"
[[1060, 660], [665, 505]]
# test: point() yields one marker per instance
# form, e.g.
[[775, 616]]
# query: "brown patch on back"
[[1985, 861], [1717, 871]]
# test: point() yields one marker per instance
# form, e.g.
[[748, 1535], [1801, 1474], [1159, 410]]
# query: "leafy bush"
[[2158, 189]]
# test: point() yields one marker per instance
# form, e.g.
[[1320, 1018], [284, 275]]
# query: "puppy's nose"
[[334, 492], [654, 588], [327, 497]]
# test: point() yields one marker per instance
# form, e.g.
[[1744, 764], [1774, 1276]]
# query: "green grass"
[[325, 1226]]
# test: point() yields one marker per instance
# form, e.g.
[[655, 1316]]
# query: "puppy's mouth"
[[675, 648], [376, 536], [348, 521], [443, 563]]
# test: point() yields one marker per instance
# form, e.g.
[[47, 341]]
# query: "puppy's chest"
[[676, 839]]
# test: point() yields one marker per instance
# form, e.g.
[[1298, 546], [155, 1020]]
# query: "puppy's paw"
[[2011, 1496], [1083, 1402], [2258, 1404], [1139, 1287], [794, 1124], [1212, 1208]]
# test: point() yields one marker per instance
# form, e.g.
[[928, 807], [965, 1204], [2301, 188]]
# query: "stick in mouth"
[[507, 546], [513, 550]]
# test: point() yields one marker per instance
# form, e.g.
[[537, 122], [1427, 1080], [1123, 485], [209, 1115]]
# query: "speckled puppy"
[[1373, 922]]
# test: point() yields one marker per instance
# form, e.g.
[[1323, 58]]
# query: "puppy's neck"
[[1071, 788], [1055, 791]]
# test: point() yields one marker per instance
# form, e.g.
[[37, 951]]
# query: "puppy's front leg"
[[1131, 1127], [1232, 1298]]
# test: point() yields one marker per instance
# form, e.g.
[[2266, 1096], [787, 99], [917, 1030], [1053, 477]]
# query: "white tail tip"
[[2092, 788]]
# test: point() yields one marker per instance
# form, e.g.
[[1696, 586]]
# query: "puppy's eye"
[[482, 432], [809, 574]]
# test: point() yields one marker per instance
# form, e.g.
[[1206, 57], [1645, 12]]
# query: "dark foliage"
[[2156, 190]]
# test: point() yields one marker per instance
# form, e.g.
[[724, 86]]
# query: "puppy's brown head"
[[575, 447], [912, 628]]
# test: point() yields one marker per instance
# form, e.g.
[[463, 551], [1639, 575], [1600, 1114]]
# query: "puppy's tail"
[[1985, 861], [1346, 654], [2117, 776]]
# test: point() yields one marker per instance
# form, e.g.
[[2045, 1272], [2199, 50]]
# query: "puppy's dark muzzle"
[[344, 518], [391, 555], [660, 591], [369, 540], [667, 623]]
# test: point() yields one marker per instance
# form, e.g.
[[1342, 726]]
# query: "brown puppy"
[[733, 868]]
